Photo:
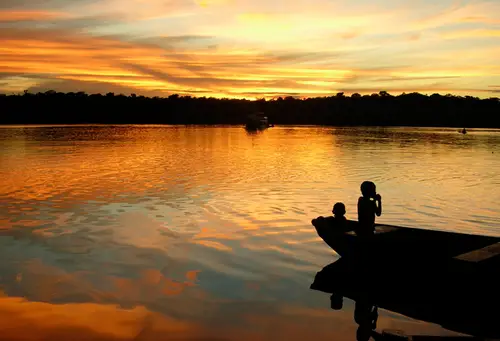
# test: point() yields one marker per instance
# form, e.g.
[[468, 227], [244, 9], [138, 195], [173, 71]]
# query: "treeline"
[[381, 109]]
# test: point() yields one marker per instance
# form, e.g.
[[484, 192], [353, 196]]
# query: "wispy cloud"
[[471, 33], [33, 15]]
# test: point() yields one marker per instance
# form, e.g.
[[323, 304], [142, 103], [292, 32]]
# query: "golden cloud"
[[307, 51], [27, 15]]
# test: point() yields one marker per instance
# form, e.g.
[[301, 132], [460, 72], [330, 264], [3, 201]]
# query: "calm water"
[[204, 232]]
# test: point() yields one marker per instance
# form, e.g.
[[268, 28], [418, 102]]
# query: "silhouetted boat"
[[391, 241], [257, 121], [459, 298], [389, 335]]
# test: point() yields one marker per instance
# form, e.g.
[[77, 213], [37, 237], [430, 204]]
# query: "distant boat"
[[393, 242], [463, 131], [257, 121]]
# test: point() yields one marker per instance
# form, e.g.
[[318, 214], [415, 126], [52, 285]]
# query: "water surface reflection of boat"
[[432, 292]]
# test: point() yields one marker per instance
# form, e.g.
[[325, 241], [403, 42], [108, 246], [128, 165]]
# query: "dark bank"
[[378, 109]]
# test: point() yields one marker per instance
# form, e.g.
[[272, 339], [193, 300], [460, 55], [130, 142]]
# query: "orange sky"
[[250, 49]]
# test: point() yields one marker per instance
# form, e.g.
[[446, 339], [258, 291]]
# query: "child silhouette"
[[369, 206]]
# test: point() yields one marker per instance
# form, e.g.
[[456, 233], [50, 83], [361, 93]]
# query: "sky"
[[251, 48]]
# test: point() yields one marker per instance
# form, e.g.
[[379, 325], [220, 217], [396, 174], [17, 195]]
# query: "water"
[[204, 232]]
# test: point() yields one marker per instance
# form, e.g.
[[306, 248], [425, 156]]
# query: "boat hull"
[[394, 241]]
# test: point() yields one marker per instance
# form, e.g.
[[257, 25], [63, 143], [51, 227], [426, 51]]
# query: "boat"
[[390, 241], [459, 298], [257, 121]]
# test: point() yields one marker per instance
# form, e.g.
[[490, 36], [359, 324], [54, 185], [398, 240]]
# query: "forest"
[[378, 109]]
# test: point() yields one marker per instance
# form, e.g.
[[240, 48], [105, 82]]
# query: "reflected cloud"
[[92, 321], [87, 321]]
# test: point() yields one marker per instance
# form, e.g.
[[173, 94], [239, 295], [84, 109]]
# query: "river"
[[193, 232]]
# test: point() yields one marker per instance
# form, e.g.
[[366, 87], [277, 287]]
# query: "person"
[[366, 316], [338, 221], [369, 206], [339, 212]]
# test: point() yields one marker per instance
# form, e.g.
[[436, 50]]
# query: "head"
[[336, 301], [339, 209], [368, 189]]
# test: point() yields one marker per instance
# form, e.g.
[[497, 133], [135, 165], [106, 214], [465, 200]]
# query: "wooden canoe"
[[391, 241]]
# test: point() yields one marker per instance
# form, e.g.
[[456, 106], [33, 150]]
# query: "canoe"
[[460, 299], [391, 241]]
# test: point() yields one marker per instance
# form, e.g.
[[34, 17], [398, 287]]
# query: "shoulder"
[[362, 201]]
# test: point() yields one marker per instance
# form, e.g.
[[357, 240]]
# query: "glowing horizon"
[[250, 49]]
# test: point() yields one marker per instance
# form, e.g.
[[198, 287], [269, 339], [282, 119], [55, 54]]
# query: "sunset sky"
[[250, 48]]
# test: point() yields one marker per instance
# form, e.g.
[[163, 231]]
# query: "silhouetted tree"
[[381, 108]]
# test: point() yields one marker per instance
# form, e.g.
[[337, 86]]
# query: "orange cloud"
[[26, 15], [240, 49], [149, 67], [481, 19]]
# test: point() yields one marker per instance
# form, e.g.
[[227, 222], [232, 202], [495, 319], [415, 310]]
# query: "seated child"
[[338, 221], [339, 212]]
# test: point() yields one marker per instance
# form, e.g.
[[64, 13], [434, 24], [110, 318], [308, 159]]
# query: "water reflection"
[[207, 229], [444, 294]]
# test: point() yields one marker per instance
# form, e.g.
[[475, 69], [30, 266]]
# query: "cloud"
[[426, 90], [39, 4], [442, 17], [350, 35], [90, 87], [481, 20], [416, 78], [133, 10], [89, 321], [184, 38], [108, 61], [27, 15], [236, 47], [210, 3], [414, 36], [471, 33]]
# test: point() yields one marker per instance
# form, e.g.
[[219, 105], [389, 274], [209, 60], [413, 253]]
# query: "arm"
[[359, 209], [378, 210]]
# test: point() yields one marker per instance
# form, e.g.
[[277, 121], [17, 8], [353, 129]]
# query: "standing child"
[[369, 205]]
